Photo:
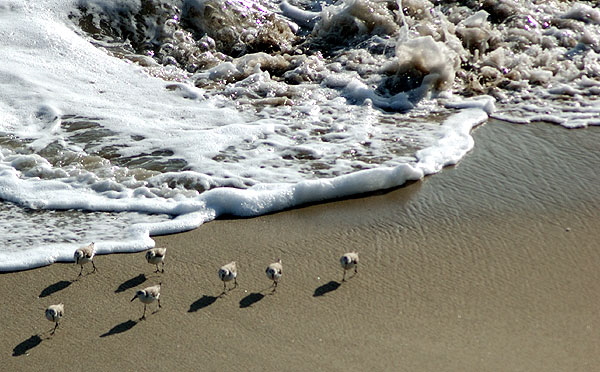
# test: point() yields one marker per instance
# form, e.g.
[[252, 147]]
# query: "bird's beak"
[[134, 297]]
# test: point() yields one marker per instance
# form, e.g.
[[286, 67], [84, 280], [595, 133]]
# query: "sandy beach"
[[491, 265]]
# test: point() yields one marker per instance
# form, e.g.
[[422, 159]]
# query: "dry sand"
[[488, 266]]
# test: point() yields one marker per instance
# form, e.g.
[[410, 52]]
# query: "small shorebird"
[[147, 296], [349, 261], [155, 256], [54, 313], [84, 255], [228, 273], [274, 272]]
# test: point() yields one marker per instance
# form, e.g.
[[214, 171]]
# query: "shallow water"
[[122, 119]]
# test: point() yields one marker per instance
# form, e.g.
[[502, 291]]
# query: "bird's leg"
[[80, 271], [94, 266], [355, 271], [158, 299], [54, 330], [344, 277], [144, 314], [157, 270], [234, 283], [163, 267]]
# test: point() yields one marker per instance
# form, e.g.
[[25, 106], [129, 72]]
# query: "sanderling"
[[228, 273], [54, 313], [84, 255], [155, 256], [349, 261], [274, 272], [147, 296]]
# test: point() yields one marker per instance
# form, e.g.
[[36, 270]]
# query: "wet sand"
[[488, 266]]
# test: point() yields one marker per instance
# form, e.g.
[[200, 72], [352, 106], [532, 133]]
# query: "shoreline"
[[488, 265]]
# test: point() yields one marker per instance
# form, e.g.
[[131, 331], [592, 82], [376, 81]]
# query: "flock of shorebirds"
[[156, 256]]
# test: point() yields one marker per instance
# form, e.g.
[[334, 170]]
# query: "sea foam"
[[188, 213]]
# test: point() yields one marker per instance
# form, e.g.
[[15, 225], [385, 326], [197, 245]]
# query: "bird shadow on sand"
[[120, 328], [24, 347], [252, 298], [131, 283], [53, 288], [202, 302], [326, 288]]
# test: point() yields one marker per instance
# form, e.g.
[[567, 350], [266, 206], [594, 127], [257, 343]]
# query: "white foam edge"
[[451, 146]]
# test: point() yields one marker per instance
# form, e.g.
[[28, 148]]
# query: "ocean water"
[[120, 120]]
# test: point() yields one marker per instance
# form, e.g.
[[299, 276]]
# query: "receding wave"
[[154, 117]]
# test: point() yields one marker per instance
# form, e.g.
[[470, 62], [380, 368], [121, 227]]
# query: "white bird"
[[228, 273], [349, 261], [54, 313], [155, 256], [84, 255], [274, 272], [148, 296]]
